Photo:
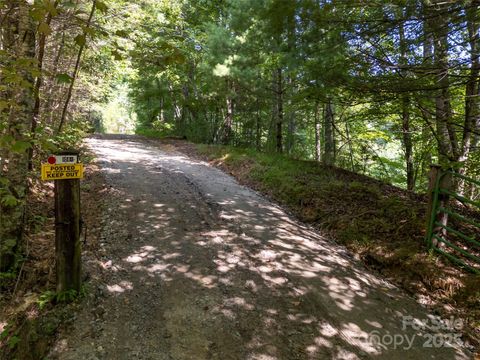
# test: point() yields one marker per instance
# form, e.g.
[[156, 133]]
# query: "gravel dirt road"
[[195, 266]]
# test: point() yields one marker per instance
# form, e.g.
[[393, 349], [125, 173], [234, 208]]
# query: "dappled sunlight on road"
[[233, 270]]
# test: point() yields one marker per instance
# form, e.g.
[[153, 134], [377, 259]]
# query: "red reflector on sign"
[[52, 160]]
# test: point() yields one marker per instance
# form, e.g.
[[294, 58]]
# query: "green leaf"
[[69, 4], [50, 6], [21, 146], [5, 332], [44, 28], [80, 39], [64, 78], [4, 181], [37, 14], [6, 139], [122, 33], [13, 341], [46, 298], [26, 84], [89, 31], [9, 200], [100, 5], [117, 55], [3, 105]]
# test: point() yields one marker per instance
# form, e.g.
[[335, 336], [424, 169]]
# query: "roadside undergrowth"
[[382, 225], [30, 309]]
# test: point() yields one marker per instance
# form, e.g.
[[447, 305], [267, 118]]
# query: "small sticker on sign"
[[62, 159]]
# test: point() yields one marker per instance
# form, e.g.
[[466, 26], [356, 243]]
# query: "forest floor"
[[29, 313], [192, 265]]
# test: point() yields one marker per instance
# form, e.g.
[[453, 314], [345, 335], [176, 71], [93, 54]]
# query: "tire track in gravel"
[[195, 266]]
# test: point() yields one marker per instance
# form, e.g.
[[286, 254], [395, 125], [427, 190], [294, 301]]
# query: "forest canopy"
[[376, 87]]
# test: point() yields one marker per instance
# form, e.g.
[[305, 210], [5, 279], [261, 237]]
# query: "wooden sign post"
[[66, 172]]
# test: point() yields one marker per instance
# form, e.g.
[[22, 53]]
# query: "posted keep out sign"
[[62, 171]]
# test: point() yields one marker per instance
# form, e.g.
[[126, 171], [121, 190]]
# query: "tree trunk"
[[279, 111], [318, 133], [472, 92], [54, 88], [227, 128], [350, 147], [443, 199], [38, 84], [405, 105], [76, 69], [445, 135], [329, 142], [290, 145], [407, 143], [258, 135]]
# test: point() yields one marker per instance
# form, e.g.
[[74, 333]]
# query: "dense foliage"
[[380, 88], [54, 63], [383, 88]]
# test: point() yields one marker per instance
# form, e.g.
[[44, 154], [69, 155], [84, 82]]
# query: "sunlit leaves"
[[3, 105], [63, 78], [80, 39], [9, 200], [44, 28], [4, 181], [117, 55], [6, 140], [89, 31], [50, 7], [69, 4], [101, 6], [20, 146], [122, 33], [37, 13]]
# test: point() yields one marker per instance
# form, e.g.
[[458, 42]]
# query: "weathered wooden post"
[[66, 172]]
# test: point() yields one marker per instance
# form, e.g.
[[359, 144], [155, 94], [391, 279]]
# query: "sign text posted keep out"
[[59, 172]]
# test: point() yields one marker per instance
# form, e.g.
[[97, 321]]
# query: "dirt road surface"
[[195, 266]]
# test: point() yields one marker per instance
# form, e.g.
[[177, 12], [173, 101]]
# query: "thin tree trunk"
[[38, 84], [439, 28], [407, 143], [350, 148], [290, 145], [75, 71], [258, 120], [472, 114], [50, 98], [318, 133], [279, 112], [227, 128], [329, 142], [405, 104]]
